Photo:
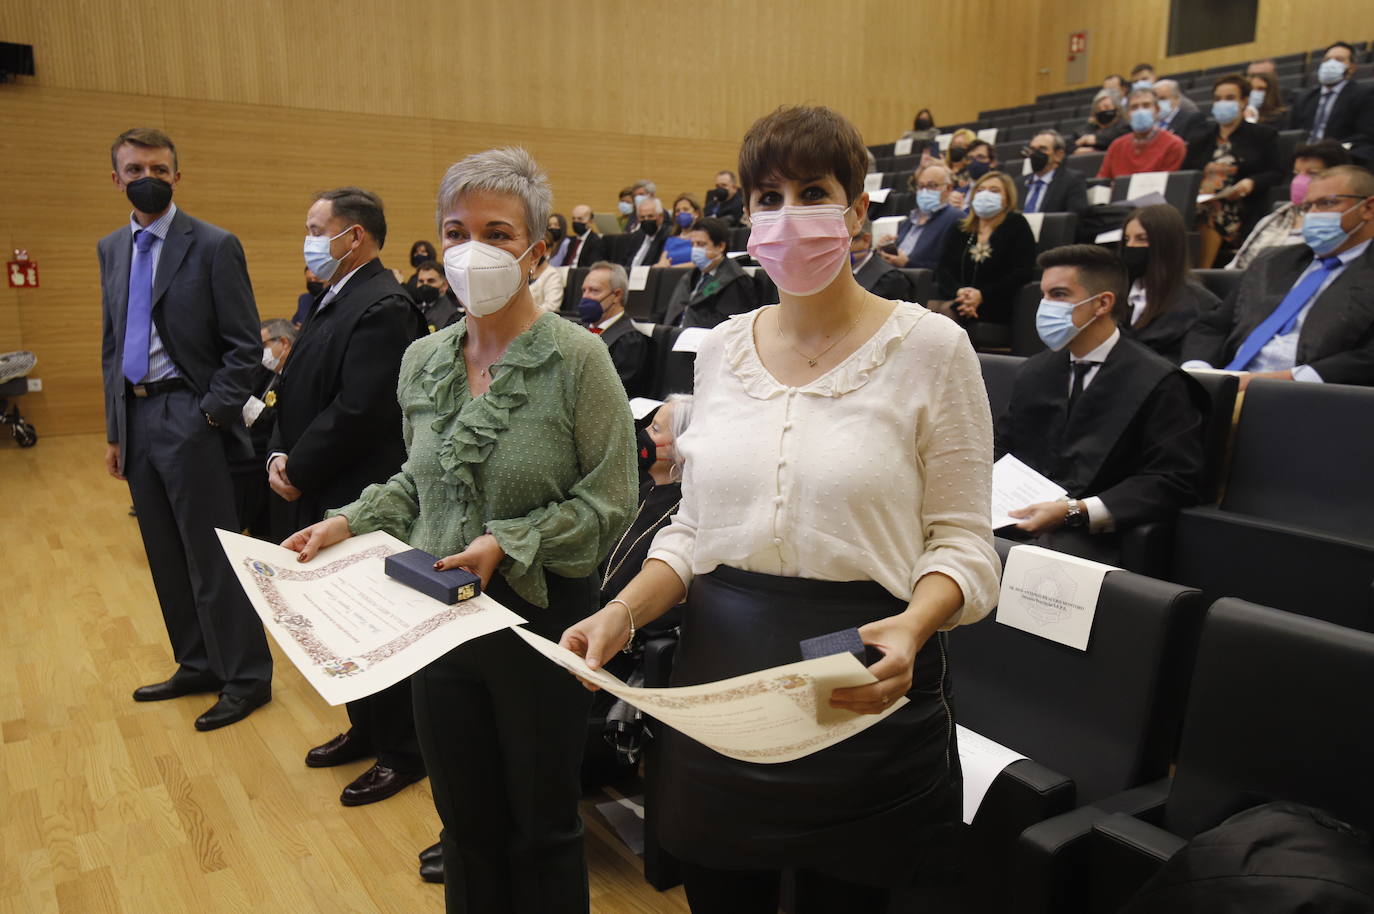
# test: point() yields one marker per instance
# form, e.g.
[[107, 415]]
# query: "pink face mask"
[[1297, 191], [801, 248]]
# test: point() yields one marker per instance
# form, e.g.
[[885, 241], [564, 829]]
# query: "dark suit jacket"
[[999, 277], [730, 291], [1187, 123], [592, 249], [1067, 191], [931, 244], [1255, 149], [1344, 122], [1167, 331], [884, 280], [337, 417], [655, 248], [630, 354], [731, 209], [205, 315], [1337, 337], [1134, 438]]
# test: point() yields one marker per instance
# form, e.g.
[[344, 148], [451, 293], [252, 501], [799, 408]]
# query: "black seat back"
[[1180, 190], [1216, 433], [999, 377], [922, 283], [1220, 283]]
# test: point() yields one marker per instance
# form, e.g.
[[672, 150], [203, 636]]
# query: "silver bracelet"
[[629, 645]]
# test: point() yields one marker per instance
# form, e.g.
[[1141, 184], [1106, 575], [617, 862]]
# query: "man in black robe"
[[1116, 425]]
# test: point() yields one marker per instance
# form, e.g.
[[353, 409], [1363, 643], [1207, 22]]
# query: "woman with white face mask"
[[521, 469], [836, 477], [987, 258]]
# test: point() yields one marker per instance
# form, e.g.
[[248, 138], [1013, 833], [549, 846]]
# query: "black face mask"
[[579, 228], [420, 257], [645, 450], [956, 154], [426, 295], [650, 226], [314, 286], [1038, 160], [555, 235], [1136, 260], [923, 123], [149, 195], [1105, 117], [977, 168]]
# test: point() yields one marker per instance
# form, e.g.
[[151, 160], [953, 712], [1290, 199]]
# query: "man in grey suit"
[[1303, 312], [180, 342]]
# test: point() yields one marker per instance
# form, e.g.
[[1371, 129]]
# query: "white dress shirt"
[[878, 470], [1100, 520], [1031, 178], [1137, 300]]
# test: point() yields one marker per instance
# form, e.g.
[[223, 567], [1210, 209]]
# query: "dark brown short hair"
[[1234, 79], [1099, 270], [1329, 151], [798, 142], [715, 229], [148, 138], [363, 207]]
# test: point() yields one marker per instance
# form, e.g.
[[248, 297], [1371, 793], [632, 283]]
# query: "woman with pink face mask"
[[836, 477], [1284, 225]]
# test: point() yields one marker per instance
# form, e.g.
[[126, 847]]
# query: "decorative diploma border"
[[302, 630]]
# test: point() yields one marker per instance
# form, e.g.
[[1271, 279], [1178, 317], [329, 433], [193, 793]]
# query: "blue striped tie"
[[1282, 319], [138, 319]]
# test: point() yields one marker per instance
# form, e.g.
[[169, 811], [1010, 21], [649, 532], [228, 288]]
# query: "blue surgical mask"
[[1166, 107], [626, 208], [317, 256], [1142, 119], [1054, 322], [1323, 232], [700, 258], [1256, 98], [929, 202], [589, 312], [684, 219], [1143, 84], [1225, 111], [987, 203], [1330, 72]]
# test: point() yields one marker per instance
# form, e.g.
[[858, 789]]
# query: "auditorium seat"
[[1277, 710], [898, 203], [1025, 340], [1219, 282], [572, 290], [739, 238], [922, 283], [1180, 191], [1288, 141], [1052, 229], [617, 247], [1293, 525], [999, 377]]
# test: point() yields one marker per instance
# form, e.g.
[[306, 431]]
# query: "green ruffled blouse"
[[544, 460]]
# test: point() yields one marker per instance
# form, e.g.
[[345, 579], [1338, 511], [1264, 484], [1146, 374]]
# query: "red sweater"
[[1163, 152]]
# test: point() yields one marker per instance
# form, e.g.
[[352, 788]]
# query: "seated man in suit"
[[602, 311], [1337, 107], [724, 201], [438, 305], [873, 272], [716, 287], [1051, 186], [1115, 424], [1174, 115], [1303, 312], [920, 238], [587, 246], [647, 240]]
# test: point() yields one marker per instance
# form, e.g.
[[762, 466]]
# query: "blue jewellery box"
[[416, 569]]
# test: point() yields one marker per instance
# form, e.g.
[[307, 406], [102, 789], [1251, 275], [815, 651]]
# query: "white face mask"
[[484, 277], [269, 361]]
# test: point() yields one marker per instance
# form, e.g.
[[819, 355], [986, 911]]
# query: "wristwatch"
[[1076, 516]]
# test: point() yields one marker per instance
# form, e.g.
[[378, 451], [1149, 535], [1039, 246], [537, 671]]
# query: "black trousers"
[[502, 732], [711, 891], [179, 480], [385, 721]]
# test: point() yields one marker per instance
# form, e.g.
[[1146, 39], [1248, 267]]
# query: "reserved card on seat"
[[1051, 594]]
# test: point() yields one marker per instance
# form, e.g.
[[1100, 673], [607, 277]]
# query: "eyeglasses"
[[924, 185], [1327, 203]]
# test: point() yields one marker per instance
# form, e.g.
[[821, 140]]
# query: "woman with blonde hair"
[[988, 257]]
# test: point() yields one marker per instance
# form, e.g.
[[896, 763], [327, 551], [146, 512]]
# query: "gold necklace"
[[610, 571], [811, 360], [482, 370]]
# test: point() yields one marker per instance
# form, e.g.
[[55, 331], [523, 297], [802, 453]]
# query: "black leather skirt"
[[868, 809]]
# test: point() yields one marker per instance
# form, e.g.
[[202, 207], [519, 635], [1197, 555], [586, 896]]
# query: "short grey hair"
[[1143, 93], [650, 188], [1113, 94], [682, 417], [1170, 85], [279, 329], [658, 204], [1056, 139], [509, 170], [618, 279]]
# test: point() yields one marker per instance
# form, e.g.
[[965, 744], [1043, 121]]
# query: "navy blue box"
[[845, 641], [416, 569]]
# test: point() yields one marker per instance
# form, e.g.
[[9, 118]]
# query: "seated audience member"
[[677, 250], [724, 201], [558, 238], [716, 287], [980, 158], [1336, 107], [873, 272], [1165, 299], [1115, 83], [1303, 313], [1264, 105], [640, 191], [1051, 186], [625, 209], [1239, 163], [436, 300], [1115, 424], [1173, 116], [988, 257], [956, 157], [1143, 76], [252, 495], [1146, 147], [923, 130], [1105, 123], [920, 239], [314, 288], [649, 236], [1284, 225], [1264, 65], [602, 311], [547, 285], [587, 245], [420, 252]]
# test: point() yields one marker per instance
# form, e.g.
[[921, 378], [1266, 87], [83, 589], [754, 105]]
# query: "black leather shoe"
[[376, 783], [176, 687], [434, 852], [433, 870], [230, 709], [340, 750]]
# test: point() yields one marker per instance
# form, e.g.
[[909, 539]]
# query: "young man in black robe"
[[1113, 423]]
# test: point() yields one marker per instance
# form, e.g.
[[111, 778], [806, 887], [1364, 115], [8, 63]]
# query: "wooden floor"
[[107, 805]]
